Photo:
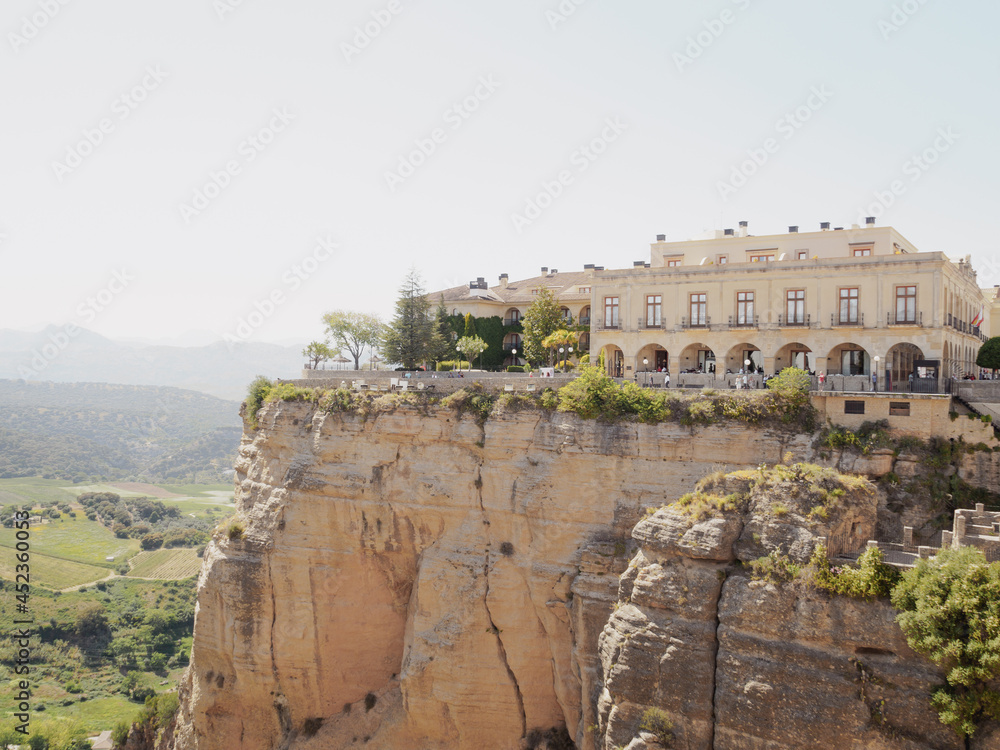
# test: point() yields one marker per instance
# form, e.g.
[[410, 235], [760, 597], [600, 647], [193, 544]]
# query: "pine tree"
[[412, 336]]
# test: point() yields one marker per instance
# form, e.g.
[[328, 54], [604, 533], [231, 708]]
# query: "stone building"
[[836, 301]]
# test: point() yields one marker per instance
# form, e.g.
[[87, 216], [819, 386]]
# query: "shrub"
[[454, 364], [950, 612], [290, 392], [153, 540], [871, 579], [235, 530], [370, 701], [256, 393], [774, 567], [657, 722], [515, 368]]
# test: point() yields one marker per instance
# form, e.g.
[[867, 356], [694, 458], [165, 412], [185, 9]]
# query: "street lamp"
[[875, 374], [562, 350]]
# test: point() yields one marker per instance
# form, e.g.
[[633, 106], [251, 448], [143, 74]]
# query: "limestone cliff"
[[416, 579], [411, 578]]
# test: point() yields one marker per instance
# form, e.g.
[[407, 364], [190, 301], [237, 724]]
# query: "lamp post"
[[875, 374], [513, 353], [569, 353]]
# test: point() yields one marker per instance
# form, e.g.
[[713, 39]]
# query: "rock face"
[[422, 581], [414, 579], [741, 663]]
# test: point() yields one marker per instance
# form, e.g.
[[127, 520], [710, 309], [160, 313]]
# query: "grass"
[[166, 564], [51, 572], [76, 539], [28, 490]]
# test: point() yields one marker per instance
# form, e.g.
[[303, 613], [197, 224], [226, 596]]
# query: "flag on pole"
[[978, 320]]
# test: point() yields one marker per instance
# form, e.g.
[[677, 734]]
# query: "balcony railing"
[[584, 320], [907, 320], [646, 324], [706, 323], [796, 321], [751, 322], [509, 347], [857, 321], [511, 322], [604, 325]]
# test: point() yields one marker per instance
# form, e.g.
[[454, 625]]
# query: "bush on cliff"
[[256, 393], [950, 612], [871, 579]]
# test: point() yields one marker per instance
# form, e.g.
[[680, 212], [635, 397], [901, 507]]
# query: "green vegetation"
[[774, 567], [318, 352], [989, 354], [88, 639], [411, 338], [656, 721], [256, 392], [871, 579], [471, 346], [700, 506], [89, 432], [950, 612], [866, 438], [167, 564], [353, 332], [542, 318]]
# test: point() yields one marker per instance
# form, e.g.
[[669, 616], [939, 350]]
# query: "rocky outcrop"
[[415, 579], [739, 663]]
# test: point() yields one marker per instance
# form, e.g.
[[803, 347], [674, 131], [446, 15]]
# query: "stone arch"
[[656, 356], [513, 315], [697, 358], [737, 356], [794, 354], [848, 359], [899, 361], [614, 360], [584, 317]]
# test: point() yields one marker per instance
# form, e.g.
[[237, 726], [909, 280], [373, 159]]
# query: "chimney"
[[793, 230], [555, 271], [825, 226], [838, 229], [482, 282], [638, 263], [545, 270], [744, 230], [869, 221], [661, 238], [503, 280], [729, 233]]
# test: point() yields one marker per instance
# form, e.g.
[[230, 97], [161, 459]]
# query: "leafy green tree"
[[354, 332], [989, 354], [152, 540], [411, 337], [444, 348], [950, 612], [561, 338], [470, 326], [471, 347], [317, 353], [120, 733], [541, 319]]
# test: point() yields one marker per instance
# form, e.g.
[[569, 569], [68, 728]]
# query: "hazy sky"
[[169, 167]]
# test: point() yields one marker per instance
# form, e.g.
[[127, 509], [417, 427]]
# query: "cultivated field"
[[76, 539], [165, 564], [51, 572]]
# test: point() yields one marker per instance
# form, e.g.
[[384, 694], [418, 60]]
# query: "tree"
[[541, 319], [443, 349], [354, 331], [412, 336], [950, 612], [471, 347], [152, 540], [470, 325], [989, 354], [317, 352], [561, 338]]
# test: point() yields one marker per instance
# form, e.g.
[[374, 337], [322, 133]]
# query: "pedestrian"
[[666, 380]]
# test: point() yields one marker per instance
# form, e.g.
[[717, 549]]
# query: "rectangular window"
[[610, 312], [848, 306], [722, 259], [861, 252], [899, 408], [761, 258], [854, 407], [654, 304], [795, 306], [906, 304], [583, 290], [744, 308], [673, 262], [801, 254], [698, 309]]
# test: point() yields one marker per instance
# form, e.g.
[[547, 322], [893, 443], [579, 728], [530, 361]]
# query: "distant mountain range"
[[220, 369], [97, 431]]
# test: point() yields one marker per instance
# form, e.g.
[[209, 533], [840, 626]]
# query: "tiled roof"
[[519, 292]]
